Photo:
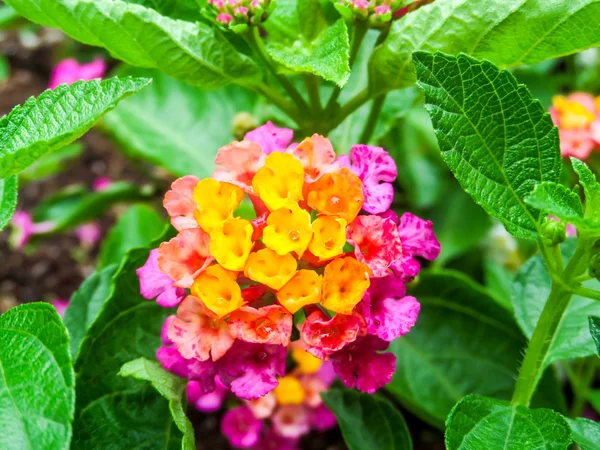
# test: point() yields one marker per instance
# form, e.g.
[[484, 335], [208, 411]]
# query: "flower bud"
[[238, 14], [242, 123], [375, 13], [553, 233]]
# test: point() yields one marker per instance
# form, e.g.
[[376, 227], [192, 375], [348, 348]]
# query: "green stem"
[[358, 35], [545, 330], [312, 86], [371, 124], [356, 102], [587, 293], [257, 45]]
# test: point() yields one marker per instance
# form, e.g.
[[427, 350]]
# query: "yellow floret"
[[230, 244], [289, 391], [268, 268], [218, 290], [329, 237], [280, 181], [345, 282], [288, 230], [303, 289]]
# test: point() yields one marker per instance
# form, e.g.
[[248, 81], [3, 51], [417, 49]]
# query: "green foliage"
[[463, 343], [327, 56], [86, 303], [56, 118], [591, 187], [170, 387], [193, 52], [486, 30], [76, 205], [595, 331], [177, 9], [37, 386], [531, 289], [497, 140], [137, 227], [177, 126], [586, 433], [8, 199], [498, 281], [556, 199], [478, 422], [368, 421], [111, 408], [52, 163]]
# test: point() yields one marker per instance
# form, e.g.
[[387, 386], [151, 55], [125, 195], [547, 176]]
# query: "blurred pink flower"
[[69, 71], [577, 117]]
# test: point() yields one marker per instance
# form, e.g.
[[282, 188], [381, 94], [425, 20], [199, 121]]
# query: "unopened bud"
[[375, 12], [553, 233], [237, 15], [242, 123]]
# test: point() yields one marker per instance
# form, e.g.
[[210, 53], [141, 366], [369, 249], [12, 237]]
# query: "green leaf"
[[86, 303], [556, 199], [193, 52], [171, 118], [368, 421], [497, 140], [8, 199], [595, 331], [498, 281], [37, 386], [170, 387], [456, 214], [111, 408], [463, 343], [591, 187], [486, 30], [327, 56], [137, 227], [76, 205], [52, 163], [478, 422], [56, 118], [586, 433], [531, 289], [176, 9], [311, 20]]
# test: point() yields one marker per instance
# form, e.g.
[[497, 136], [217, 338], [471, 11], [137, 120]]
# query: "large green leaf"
[[86, 303], [177, 9], [8, 199], [545, 29], [595, 331], [531, 289], [193, 52], [368, 421], [586, 433], [498, 280], [37, 386], [327, 56], [111, 408], [497, 140], [170, 387], [137, 227], [76, 205], [478, 422], [177, 126], [56, 118], [463, 343]]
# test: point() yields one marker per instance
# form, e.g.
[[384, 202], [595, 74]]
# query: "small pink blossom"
[[291, 421], [241, 11], [60, 304], [201, 371], [271, 138], [88, 234], [69, 71], [376, 243], [154, 283], [185, 256], [322, 419], [203, 402], [251, 370], [324, 336], [179, 203], [24, 227], [360, 365], [240, 427], [101, 184], [224, 18], [262, 407], [377, 170], [197, 333], [316, 155], [383, 9]]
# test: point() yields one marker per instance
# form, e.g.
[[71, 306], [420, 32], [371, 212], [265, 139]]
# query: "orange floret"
[[345, 282], [303, 289], [218, 290], [288, 230], [338, 194], [230, 244], [280, 181], [329, 237], [267, 267], [216, 203]]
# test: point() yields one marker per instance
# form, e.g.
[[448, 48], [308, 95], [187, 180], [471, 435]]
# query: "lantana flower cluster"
[[323, 254], [239, 12], [280, 418], [577, 117], [375, 12]]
